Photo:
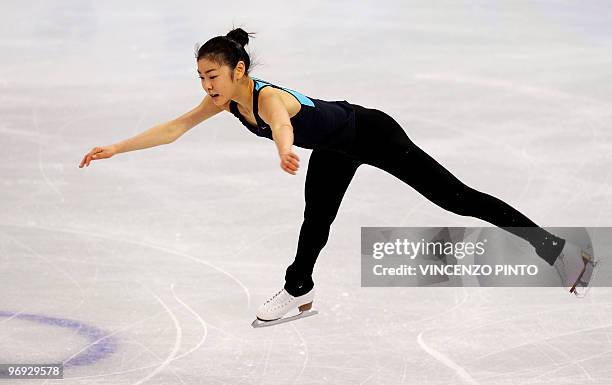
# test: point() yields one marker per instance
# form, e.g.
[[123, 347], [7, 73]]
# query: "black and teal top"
[[318, 124]]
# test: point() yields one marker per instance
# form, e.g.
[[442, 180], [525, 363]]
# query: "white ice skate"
[[272, 312], [575, 265]]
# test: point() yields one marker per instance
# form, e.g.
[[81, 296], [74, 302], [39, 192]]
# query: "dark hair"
[[228, 49]]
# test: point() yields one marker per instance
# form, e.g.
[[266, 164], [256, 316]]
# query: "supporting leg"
[[328, 176]]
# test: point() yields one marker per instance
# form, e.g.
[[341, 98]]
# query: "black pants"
[[381, 142]]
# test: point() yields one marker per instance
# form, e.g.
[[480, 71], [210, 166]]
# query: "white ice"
[[168, 251]]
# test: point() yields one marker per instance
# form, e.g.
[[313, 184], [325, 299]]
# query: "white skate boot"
[[281, 303], [575, 265]]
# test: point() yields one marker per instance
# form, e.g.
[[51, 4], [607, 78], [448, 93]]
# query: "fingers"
[[289, 171], [293, 163], [95, 153], [293, 159], [289, 162], [85, 161], [290, 167]]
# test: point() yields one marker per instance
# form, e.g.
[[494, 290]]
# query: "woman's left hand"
[[290, 162]]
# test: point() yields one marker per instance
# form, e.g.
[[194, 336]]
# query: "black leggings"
[[381, 142]]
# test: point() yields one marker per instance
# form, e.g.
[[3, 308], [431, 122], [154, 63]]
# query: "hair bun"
[[239, 35]]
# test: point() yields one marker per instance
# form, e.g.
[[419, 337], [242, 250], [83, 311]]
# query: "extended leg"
[[384, 144], [328, 176]]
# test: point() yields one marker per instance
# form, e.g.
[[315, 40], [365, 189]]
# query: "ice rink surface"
[[147, 268]]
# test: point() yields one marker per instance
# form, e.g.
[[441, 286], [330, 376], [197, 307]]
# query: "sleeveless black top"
[[318, 124]]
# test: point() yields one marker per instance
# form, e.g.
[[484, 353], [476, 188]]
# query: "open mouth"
[[214, 95]]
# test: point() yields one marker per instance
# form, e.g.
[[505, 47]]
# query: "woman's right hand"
[[96, 153]]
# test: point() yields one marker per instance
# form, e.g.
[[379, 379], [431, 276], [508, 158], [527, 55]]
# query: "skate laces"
[[274, 296]]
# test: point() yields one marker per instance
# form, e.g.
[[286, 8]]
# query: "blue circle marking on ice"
[[101, 346]]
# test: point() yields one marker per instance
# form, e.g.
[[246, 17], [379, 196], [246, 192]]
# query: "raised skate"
[[575, 266], [275, 309]]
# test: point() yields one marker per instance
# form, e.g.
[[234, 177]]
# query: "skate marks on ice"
[[85, 353], [142, 243], [541, 339], [459, 370]]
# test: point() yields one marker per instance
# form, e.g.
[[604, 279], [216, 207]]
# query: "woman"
[[343, 136]]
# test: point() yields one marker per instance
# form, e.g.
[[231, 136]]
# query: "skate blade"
[[583, 285], [260, 323]]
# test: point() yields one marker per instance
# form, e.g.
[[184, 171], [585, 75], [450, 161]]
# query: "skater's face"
[[219, 79]]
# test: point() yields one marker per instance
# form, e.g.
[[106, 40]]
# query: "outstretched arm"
[[164, 133], [273, 111]]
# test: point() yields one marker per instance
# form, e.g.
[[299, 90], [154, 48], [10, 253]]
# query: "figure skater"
[[342, 137]]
